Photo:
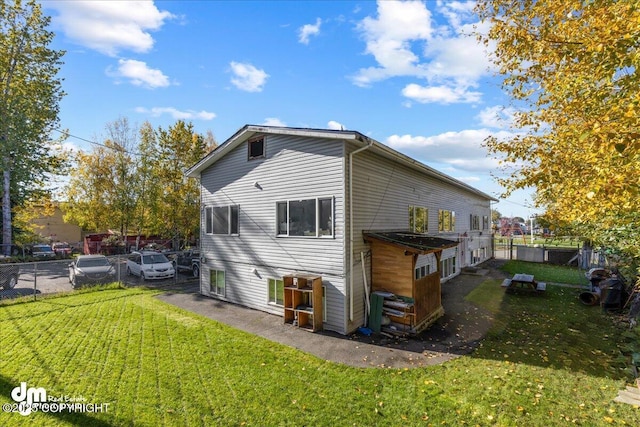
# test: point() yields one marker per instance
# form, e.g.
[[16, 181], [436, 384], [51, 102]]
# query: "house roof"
[[248, 131], [409, 241]]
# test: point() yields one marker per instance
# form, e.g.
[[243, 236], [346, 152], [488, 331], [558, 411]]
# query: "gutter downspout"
[[351, 258]]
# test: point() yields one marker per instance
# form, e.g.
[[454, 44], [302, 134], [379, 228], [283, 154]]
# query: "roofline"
[[247, 131]]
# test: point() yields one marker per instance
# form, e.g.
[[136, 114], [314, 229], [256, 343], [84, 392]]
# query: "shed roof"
[[248, 131], [409, 241]]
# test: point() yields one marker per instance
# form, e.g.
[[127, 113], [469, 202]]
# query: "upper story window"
[[418, 219], [308, 218], [256, 148], [474, 222], [446, 220], [485, 222], [221, 219]]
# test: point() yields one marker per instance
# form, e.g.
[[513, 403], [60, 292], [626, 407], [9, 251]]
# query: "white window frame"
[[443, 215], [231, 210], [273, 299], [447, 267], [413, 214], [286, 225], [220, 291], [422, 271], [474, 222]]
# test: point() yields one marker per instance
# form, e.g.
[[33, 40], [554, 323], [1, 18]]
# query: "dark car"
[[189, 260], [91, 270], [9, 275]]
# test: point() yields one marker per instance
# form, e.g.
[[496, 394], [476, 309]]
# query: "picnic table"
[[524, 282]]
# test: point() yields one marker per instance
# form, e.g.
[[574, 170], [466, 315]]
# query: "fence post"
[[511, 247], [35, 279]]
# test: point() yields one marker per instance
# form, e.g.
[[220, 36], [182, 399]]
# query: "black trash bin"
[[615, 295]]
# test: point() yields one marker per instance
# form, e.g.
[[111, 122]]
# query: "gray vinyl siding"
[[295, 168], [383, 192]]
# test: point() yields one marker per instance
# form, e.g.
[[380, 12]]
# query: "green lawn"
[[547, 272], [548, 361]]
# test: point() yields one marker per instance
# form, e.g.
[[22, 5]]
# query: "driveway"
[[455, 334]]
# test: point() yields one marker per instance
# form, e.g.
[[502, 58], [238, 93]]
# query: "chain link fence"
[[39, 278]]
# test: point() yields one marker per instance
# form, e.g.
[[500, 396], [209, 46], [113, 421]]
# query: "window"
[[309, 218], [216, 282], [446, 220], [208, 220], [474, 222], [447, 267], [276, 291], [485, 222], [256, 148], [422, 271], [221, 220], [418, 219]]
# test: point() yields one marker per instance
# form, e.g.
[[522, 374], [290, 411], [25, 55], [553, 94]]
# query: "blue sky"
[[407, 74]]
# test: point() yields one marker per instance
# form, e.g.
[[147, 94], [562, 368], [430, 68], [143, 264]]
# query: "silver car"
[[91, 270]]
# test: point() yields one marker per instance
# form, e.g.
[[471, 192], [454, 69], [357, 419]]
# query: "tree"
[[130, 183], [30, 92], [571, 69], [495, 215], [99, 192], [179, 148]]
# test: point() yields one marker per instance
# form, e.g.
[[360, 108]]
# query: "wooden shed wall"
[[392, 270], [428, 296]]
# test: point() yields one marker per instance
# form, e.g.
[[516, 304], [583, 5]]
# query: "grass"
[[547, 272], [547, 361]]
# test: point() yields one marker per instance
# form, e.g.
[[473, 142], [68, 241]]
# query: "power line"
[[67, 134]]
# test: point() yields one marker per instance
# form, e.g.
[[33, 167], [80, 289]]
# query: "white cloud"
[[497, 117], [440, 94], [406, 42], [389, 37], [332, 124], [177, 114], [139, 74], [309, 30], [109, 26], [461, 150], [274, 121], [469, 179], [247, 77]]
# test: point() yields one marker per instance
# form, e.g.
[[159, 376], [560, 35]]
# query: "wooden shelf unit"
[[303, 301]]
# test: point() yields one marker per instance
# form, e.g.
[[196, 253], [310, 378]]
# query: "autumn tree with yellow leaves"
[[133, 182], [571, 70]]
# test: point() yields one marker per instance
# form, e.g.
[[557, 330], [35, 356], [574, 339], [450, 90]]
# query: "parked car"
[[9, 275], [150, 265], [42, 251], [189, 260], [91, 270], [62, 249]]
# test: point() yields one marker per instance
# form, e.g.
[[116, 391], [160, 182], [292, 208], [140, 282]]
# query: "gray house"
[[278, 201]]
